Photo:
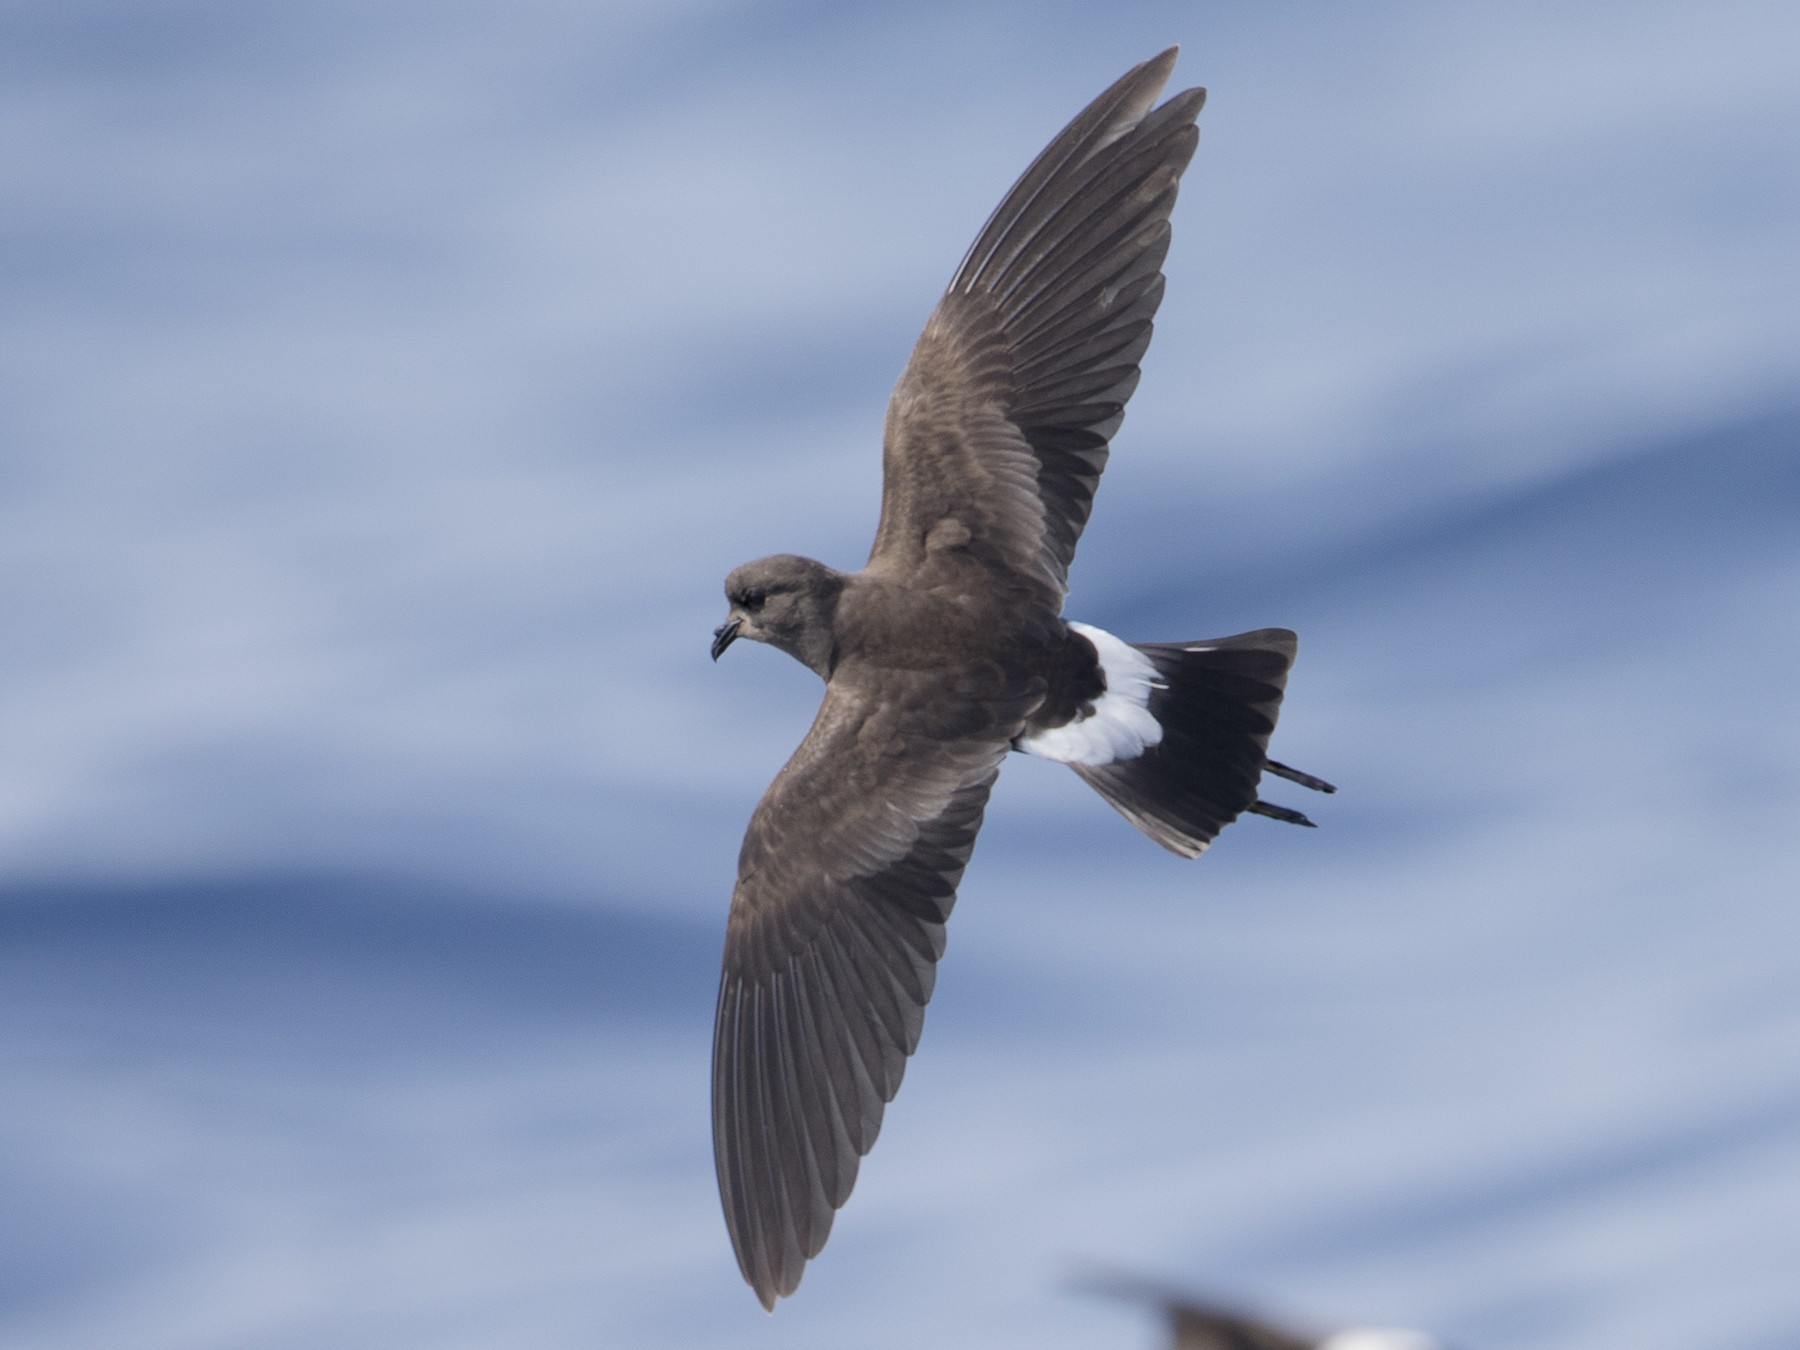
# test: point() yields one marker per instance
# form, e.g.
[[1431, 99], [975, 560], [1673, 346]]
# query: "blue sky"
[[386, 390]]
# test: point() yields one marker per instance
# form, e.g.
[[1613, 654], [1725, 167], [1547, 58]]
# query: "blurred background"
[[385, 390]]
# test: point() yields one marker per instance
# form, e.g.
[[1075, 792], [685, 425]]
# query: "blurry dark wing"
[[1194, 1325], [848, 872], [998, 429], [1200, 1328]]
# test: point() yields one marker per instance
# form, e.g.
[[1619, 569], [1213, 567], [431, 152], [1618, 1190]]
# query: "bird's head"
[[787, 602]]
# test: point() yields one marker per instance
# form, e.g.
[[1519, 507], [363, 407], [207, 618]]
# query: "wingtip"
[[1156, 71], [767, 1288], [1162, 66], [1141, 83]]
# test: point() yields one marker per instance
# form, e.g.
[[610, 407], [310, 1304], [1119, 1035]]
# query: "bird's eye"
[[753, 600]]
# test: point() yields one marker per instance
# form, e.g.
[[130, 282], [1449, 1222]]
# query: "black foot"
[[1295, 776], [1274, 812]]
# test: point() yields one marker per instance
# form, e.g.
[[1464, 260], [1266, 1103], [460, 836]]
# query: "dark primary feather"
[[848, 872], [1002, 418]]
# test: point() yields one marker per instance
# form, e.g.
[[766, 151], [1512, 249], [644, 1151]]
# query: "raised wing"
[[998, 429], [848, 872]]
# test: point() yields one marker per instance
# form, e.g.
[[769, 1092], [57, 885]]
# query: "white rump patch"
[[1120, 727], [1379, 1338]]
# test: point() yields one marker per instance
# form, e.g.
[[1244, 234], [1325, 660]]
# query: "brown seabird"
[[947, 650], [1199, 1325]]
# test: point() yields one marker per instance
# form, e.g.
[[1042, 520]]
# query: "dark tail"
[[1217, 702]]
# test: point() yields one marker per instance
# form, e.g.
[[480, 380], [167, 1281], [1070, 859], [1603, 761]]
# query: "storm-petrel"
[[1195, 1324], [949, 649]]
